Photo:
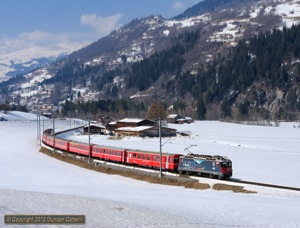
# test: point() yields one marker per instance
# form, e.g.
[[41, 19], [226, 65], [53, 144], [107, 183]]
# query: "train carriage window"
[[134, 155], [139, 156], [148, 157], [144, 156]]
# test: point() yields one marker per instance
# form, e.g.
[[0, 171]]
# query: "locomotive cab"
[[226, 169]]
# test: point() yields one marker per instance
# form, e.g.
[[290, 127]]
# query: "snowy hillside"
[[17, 116], [33, 183]]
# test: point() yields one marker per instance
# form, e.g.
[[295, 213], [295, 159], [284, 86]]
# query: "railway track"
[[265, 185]]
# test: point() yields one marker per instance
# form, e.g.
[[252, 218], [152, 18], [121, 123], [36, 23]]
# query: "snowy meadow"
[[33, 183]]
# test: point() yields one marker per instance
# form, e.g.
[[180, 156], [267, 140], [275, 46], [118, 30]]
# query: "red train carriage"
[[152, 159], [50, 140], [44, 138], [61, 144], [79, 148], [174, 162], [46, 134], [108, 153], [58, 143]]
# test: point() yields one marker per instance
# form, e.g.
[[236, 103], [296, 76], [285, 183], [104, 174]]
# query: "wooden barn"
[[145, 131], [104, 120], [111, 126], [128, 122], [181, 121], [189, 119], [94, 129], [173, 118]]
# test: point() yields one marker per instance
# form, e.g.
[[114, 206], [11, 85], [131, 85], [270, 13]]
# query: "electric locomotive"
[[206, 165]]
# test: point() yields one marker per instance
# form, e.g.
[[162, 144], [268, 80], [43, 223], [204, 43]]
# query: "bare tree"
[[155, 111]]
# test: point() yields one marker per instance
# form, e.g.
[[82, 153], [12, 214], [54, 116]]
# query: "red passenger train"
[[132, 157], [170, 162]]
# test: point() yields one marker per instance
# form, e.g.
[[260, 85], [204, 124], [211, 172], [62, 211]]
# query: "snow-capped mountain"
[[27, 59]]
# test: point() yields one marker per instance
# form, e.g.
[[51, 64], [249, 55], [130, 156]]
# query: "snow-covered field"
[[33, 183]]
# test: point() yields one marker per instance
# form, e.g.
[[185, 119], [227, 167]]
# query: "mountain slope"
[[154, 58]]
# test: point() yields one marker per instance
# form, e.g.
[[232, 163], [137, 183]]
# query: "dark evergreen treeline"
[[264, 63], [142, 74], [138, 75], [270, 60], [118, 107], [7, 107], [13, 80], [74, 71]]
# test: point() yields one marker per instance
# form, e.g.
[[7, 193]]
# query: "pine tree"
[[201, 109]]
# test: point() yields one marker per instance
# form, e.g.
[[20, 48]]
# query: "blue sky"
[[25, 23]]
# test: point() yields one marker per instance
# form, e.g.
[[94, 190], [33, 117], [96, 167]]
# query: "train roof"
[[150, 152], [108, 147], [207, 157]]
